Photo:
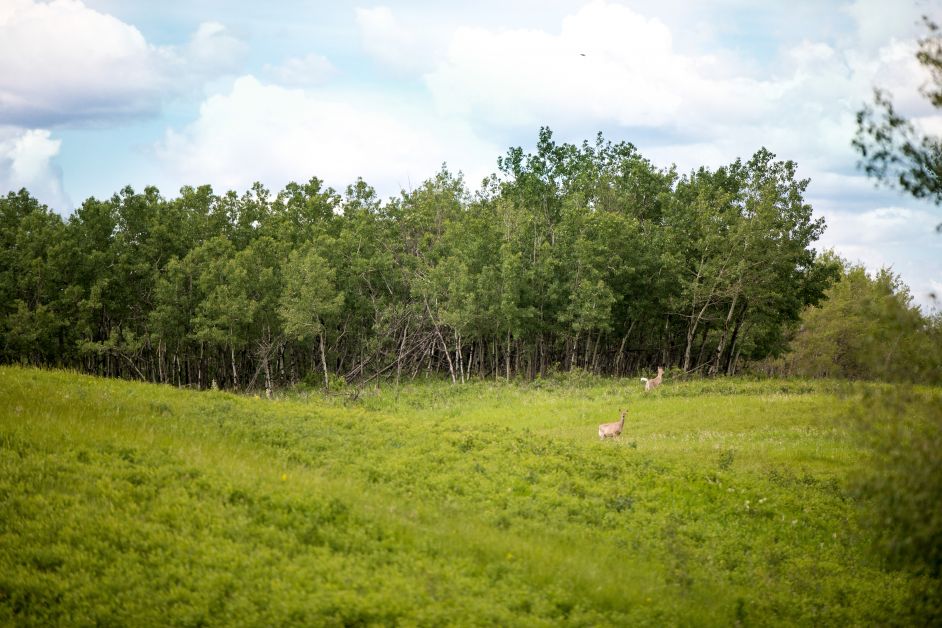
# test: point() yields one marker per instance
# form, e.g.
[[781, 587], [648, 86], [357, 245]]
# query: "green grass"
[[722, 502]]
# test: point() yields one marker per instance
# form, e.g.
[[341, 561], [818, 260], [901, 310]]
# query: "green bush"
[[901, 487], [867, 328]]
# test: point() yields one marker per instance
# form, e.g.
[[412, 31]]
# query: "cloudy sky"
[[99, 94]]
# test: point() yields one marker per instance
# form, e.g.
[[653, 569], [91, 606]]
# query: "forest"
[[570, 257]]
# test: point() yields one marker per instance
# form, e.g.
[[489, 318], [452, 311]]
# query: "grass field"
[[723, 502]]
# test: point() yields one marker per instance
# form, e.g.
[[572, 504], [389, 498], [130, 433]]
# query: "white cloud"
[[312, 69], [396, 46], [62, 61], [26, 161], [274, 134], [213, 49], [609, 66], [878, 21], [607, 63], [885, 225], [61, 58]]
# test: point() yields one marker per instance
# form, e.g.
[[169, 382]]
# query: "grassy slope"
[[134, 504]]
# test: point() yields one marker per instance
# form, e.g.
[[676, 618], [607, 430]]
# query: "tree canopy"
[[569, 257]]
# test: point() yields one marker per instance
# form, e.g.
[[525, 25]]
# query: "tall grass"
[[124, 503]]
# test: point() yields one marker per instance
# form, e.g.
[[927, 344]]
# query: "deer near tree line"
[[612, 429], [651, 384]]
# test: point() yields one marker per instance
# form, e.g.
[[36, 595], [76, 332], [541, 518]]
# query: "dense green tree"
[[32, 324], [309, 299], [176, 296], [572, 256], [258, 276], [225, 312]]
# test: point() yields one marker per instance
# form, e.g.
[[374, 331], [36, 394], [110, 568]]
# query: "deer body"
[[612, 429], [651, 384]]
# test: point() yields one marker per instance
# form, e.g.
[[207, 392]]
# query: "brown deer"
[[651, 384], [612, 429]]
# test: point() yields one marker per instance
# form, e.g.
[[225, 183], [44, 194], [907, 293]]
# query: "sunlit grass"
[[481, 504]]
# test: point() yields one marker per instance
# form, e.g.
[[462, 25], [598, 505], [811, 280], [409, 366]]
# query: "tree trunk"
[[451, 368], [160, 362], [692, 332], [496, 359], [517, 369], [704, 335], [235, 374], [402, 346], [588, 350], [715, 366], [470, 360], [665, 343], [459, 358], [734, 357], [595, 353], [324, 361], [268, 388], [618, 356], [734, 349], [572, 355]]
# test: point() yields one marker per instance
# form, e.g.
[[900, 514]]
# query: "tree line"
[[569, 257]]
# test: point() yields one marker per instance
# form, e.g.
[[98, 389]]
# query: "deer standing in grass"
[[651, 384], [612, 429]]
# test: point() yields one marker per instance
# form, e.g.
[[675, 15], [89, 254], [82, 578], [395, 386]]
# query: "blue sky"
[[99, 94]]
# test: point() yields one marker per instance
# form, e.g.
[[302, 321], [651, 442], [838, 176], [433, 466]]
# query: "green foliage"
[[309, 296], [31, 281], [490, 503], [573, 257], [901, 488], [867, 328]]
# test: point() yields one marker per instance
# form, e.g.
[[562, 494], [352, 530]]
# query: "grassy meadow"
[[723, 502]]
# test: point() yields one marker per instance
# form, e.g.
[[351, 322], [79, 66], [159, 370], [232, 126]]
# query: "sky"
[[99, 94]]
